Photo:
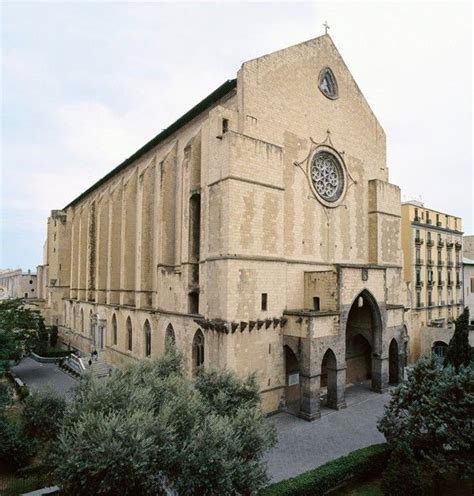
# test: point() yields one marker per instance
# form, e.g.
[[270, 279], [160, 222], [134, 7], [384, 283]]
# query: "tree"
[[149, 428], [21, 329], [42, 414], [428, 425], [459, 351]]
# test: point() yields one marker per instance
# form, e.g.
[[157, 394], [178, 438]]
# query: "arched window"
[[129, 334], [82, 320], [439, 351], [327, 83], [170, 338], [198, 351], [91, 324], [114, 329], [147, 332]]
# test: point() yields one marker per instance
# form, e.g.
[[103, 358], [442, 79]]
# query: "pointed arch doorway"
[[364, 343], [393, 363]]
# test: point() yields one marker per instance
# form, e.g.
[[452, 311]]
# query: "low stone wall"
[[429, 335], [41, 359]]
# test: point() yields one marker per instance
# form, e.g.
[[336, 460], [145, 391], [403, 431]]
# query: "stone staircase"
[[99, 368]]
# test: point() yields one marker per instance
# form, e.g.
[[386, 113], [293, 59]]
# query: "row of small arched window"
[[197, 347]]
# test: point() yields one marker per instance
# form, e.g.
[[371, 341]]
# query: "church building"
[[259, 232]]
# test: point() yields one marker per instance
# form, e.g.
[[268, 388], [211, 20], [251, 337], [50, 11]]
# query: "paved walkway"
[[40, 376], [305, 445]]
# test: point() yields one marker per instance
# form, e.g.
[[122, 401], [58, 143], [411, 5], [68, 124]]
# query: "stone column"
[[336, 388], [310, 397], [379, 373]]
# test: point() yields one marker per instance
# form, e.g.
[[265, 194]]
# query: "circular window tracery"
[[327, 176]]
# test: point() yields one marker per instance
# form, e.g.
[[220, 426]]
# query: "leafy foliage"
[[42, 413], [20, 330], [359, 464], [15, 449], [149, 428], [428, 425], [6, 396], [459, 351]]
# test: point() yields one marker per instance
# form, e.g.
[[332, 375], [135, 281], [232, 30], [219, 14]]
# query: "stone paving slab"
[[40, 376], [303, 445]]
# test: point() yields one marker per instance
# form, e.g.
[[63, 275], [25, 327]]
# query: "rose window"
[[327, 176]]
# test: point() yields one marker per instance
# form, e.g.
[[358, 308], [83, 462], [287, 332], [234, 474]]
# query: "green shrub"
[[42, 414], [6, 396], [23, 392], [15, 449], [358, 464], [404, 475]]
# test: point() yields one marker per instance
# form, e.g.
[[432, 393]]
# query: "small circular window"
[[327, 176], [328, 84]]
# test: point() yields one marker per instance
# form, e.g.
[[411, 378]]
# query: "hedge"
[[358, 464]]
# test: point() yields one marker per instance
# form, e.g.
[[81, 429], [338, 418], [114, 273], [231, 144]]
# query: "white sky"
[[85, 84]]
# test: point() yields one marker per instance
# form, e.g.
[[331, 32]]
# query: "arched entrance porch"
[[292, 386], [332, 382], [364, 344]]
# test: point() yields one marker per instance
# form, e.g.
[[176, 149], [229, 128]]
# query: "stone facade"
[[18, 284], [260, 230], [432, 254]]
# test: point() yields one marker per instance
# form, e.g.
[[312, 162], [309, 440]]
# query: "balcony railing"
[[449, 263], [429, 242], [419, 304], [430, 262], [419, 284], [438, 223], [458, 284], [440, 263], [430, 284], [418, 241], [458, 245], [428, 221], [450, 284], [419, 261], [417, 219], [449, 244], [440, 243], [440, 282]]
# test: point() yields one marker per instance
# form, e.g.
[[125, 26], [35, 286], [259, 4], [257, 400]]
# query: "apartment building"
[[432, 267]]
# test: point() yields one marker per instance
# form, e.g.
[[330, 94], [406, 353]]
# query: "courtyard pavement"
[[41, 376], [304, 445]]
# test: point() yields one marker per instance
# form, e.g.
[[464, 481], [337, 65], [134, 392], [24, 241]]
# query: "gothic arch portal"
[[364, 341]]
